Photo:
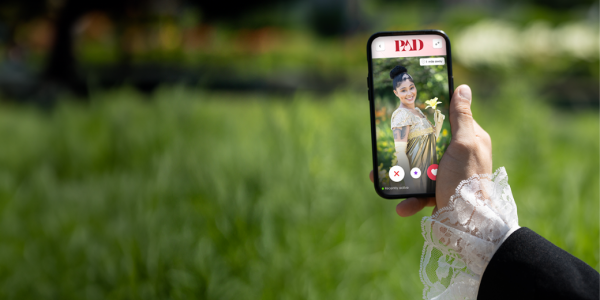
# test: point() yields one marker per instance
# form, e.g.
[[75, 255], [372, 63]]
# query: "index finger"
[[412, 206]]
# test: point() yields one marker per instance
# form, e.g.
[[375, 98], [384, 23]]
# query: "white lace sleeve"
[[461, 239]]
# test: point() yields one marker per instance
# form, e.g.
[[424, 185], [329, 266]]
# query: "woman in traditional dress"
[[414, 135]]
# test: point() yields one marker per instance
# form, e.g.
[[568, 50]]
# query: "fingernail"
[[465, 92]]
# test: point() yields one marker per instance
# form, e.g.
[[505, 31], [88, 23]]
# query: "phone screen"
[[410, 82]]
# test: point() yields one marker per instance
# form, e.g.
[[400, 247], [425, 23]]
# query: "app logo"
[[380, 46], [432, 172], [409, 45], [437, 43], [415, 173], [396, 174]]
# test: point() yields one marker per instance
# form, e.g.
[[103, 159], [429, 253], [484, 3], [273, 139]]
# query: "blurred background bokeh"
[[221, 149]]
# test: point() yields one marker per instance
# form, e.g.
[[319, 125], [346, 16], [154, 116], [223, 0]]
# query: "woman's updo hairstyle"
[[398, 74]]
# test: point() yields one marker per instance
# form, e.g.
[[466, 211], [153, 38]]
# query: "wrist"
[[467, 232]]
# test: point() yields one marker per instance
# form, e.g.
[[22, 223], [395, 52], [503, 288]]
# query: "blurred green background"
[[159, 149]]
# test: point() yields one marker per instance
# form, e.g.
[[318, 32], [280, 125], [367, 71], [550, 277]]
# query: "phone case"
[[371, 96]]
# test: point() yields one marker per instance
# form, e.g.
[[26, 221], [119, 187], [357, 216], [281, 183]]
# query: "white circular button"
[[415, 173], [396, 174]]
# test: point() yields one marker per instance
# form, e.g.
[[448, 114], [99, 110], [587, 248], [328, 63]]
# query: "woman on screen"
[[414, 135]]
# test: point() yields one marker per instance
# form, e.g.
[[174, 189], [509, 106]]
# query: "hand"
[[438, 116], [469, 153]]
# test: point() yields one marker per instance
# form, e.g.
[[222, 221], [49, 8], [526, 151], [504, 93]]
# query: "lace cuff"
[[461, 239]]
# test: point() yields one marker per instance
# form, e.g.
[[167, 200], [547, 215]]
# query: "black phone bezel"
[[372, 103]]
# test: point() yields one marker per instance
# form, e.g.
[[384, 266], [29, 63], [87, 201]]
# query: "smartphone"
[[410, 86]]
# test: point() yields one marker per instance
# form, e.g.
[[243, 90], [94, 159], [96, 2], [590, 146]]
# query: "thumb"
[[461, 118]]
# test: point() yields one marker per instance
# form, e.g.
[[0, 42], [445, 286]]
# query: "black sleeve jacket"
[[527, 266]]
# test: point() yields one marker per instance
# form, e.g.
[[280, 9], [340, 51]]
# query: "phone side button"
[[369, 93]]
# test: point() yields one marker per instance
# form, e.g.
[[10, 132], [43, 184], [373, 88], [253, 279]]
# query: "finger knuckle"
[[464, 111], [464, 145]]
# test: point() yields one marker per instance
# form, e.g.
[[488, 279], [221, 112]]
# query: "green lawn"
[[200, 195]]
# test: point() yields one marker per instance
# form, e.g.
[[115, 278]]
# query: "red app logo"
[[409, 45], [432, 172]]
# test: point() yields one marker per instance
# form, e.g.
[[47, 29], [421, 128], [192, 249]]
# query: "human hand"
[[469, 153]]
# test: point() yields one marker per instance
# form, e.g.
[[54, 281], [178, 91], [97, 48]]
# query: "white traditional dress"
[[421, 148]]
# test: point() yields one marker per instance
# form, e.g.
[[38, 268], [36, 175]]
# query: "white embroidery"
[[418, 125]]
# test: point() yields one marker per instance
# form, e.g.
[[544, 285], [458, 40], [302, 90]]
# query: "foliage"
[[386, 151], [430, 81], [231, 195]]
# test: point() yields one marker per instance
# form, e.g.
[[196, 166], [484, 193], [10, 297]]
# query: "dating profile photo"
[[412, 128]]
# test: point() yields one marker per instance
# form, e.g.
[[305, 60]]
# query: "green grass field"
[[200, 195]]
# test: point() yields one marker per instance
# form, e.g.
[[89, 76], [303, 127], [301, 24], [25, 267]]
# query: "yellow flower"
[[445, 132], [432, 103]]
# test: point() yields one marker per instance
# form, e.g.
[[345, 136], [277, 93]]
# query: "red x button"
[[396, 174]]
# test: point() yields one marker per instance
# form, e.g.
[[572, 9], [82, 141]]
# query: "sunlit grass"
[[192, 194]]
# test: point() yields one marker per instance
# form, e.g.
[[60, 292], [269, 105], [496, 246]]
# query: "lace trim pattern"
[[461, 238], [402, 117]]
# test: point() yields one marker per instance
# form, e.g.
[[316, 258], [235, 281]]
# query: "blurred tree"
[[61, 65], [231, 11], [336, 17], [14, 12], [558, 5], [325, 17]]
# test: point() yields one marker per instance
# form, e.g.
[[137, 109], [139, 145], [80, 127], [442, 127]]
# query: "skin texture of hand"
[[469, 153]]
